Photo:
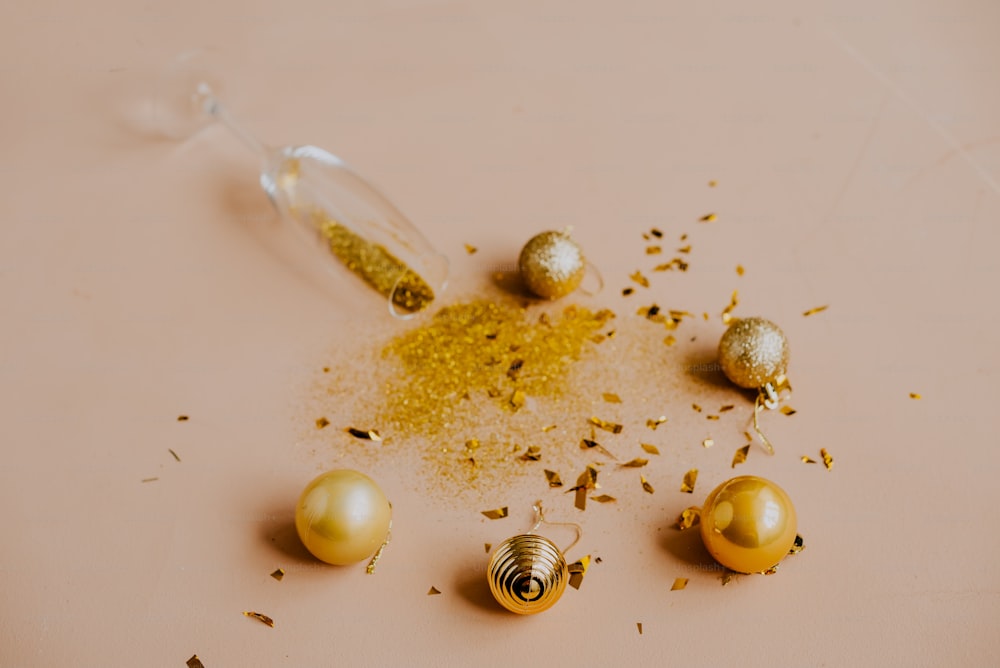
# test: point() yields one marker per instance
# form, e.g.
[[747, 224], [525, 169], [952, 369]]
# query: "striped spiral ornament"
[[527, 574]]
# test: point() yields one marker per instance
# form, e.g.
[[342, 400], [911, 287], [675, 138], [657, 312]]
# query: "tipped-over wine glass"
[[316, 189]]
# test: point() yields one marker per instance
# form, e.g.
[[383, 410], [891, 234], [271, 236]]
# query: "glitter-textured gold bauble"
[[552, 265], [342, 517], [753, 352], [748, 524], [527, 574]]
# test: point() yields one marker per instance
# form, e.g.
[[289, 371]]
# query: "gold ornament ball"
[[552, 264], [753, 352], [342, 517], [527, 574], [748, 524]]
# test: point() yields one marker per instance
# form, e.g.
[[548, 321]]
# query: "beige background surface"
[[857, 154]]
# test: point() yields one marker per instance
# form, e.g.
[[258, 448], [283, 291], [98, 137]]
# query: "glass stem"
[[212, 106]]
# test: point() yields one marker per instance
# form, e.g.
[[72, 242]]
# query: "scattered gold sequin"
[[653, 423], [195, 662], [707, 443], [496, 514], [322, 422], [711, 417], [532, 454], [689, 517], [653, 250], [645, 485], [636, 463], [264, 619], [788, 410], [611, 398], [175, 455], [914, 395], [656, 233], [470, 249], [433, 591], [808, 460], [517, 399], [739, 270], [679, 583], [727, 313], [650, 448], [577, 570], [627, 291], [553, 478], [366, 434], [604, 498], [670, 340], [689, 480], [696, 408], [813, 311], [827, 459], [741, 455], [708, 218], [613, 427], [640, 279], [278, 574]]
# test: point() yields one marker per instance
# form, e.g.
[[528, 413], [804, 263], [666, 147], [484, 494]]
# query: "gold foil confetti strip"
[[264, 619], [696, 408], [183, 418], [322, 422], [590, 444], [373, 562], [584, 483], [517, 399], [611, 398], [707, 443], [688, 518], [758, 406], [195, 662], [685, 249], [653, 423], [914, 395], [627, 291], [547, 429], [365, 434], [640, 279], [734, 301], [788, 410], [708, 218], [739, 270], [532, 454], [798, 545], [278, 574], [638, 625], [679, 583], [553, 478], [713, 183], [670, 340], [650, 448], [150, 479], [645, 485], [470, 249], [175, 455], [636, 463], [726, 408], [705, 316], [514, 368], [827, 459], [711, 417], [495, 514], [727, 577], [741, 455], [488, 546], [808, 460], [689, 480], [433, 591], [653, 250], [813, 311], [577, 570], [656, 233], [613, 427], [604, 498]]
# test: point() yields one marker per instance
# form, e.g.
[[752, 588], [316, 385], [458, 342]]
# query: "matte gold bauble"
[[552, 265]]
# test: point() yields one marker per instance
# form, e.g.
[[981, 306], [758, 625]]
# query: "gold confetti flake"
[[689, 480], [488, 546], [739, 270], [470, 249], [713, 183], [322, 422], [711, 417], [679, 583], [727, 577], [433, 591], [813, 311], [263, 619], [640, 279], [532, 454], [639, 626], [741, 455], [547, 429], [650, 448], [808, 460], [707, 443], [670, 340], [150, 479], [696, 408], [788, 410], [684, 249], [689, 517], [495, 514], [553, 478], [653, 423], [604, 498], [798, 545], [708, 218], [727, 407], [278, 574], [577, 570], [611, 398], [653, 250], [195, 662], [636, 463], [591, 444], [656, 233], [175, 455], [517, 399], [183, 418], [734, 301], [627, 291], [613, 427], [914, 395], [645, 485], [584, 483], [827, 459], [366, 434]]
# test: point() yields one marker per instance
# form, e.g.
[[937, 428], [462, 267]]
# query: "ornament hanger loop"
[[540, 520]]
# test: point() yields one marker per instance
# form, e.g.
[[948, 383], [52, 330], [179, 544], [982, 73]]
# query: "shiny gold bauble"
[[342, 517], [552, 265], [748, 524], [753, 352], [527, 574]]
